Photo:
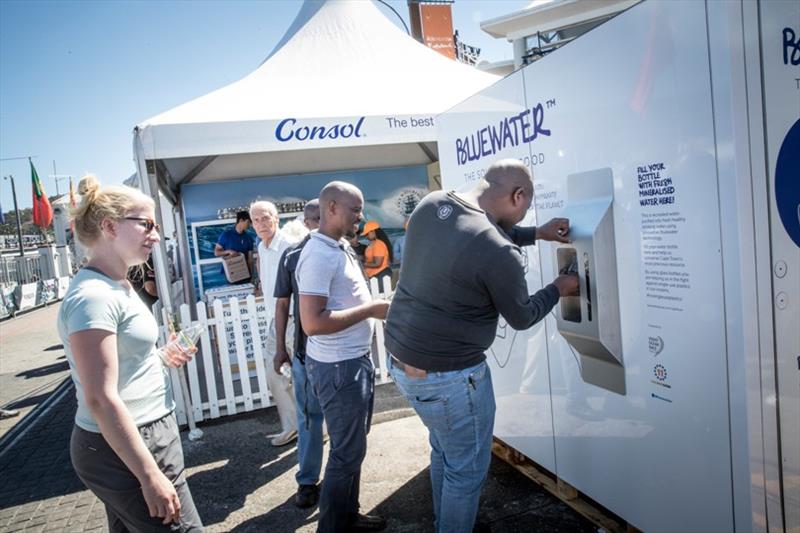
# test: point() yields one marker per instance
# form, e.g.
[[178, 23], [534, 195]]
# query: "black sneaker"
[[366, 522], [307, 496]]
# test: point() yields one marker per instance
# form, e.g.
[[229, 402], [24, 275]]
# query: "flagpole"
[[16, 212], [59, 177], [54, 175]]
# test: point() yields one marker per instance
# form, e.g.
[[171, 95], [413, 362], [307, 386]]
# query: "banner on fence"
[[7, 305], [243, 324], [25, 296], [48, 291]]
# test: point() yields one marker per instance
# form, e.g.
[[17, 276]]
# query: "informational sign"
[[239, 292], [261, 336]]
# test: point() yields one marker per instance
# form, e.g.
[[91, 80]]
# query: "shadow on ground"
[[226, 476], [510, 503], [234, 460], [285, 517], [44, 370], [30, 400]]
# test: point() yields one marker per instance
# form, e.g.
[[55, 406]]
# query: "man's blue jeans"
[[346, 394], [309, 426], [458, 409]]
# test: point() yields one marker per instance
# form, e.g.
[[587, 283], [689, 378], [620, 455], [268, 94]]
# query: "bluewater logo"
[[523, 127], [287, 131], [791, 47]]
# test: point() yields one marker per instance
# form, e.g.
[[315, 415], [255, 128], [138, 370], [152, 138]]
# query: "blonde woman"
[[125, 445]]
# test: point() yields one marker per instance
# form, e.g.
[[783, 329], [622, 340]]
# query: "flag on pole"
[[42, 210], [72, 202]]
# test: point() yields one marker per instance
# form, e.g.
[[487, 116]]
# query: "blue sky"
[[77, 76]]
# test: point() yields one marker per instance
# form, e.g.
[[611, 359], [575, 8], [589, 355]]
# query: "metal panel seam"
[[722, 265]]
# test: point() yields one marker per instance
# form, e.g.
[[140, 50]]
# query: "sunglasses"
[[147, 223]]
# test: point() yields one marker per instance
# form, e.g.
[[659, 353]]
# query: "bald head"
[[340, 209], [336, 191], [505, 192], [508, 174]]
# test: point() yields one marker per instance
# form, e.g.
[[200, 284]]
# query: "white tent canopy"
[[343, 89]]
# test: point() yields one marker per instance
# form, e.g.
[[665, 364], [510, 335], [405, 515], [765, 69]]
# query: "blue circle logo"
[[787, 183]]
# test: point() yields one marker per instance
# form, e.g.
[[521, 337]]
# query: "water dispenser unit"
[[590, 322]]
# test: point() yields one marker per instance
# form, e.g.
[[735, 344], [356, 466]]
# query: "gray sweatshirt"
[[459, 271]]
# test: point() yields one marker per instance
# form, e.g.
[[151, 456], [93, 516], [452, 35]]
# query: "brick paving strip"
[[39, 490]]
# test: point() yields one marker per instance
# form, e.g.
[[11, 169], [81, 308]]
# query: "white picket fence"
[[213, 391]]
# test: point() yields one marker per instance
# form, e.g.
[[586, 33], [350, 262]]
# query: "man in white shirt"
[[336, 310], [273, 242]]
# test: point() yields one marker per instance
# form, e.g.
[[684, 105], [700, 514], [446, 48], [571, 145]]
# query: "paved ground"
[[39, 490], [32, 362], [242, 484], [239, 482]]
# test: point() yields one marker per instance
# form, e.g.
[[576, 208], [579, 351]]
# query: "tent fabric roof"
[[339, 58]]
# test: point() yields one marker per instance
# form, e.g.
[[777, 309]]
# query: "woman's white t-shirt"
[[95, 301]]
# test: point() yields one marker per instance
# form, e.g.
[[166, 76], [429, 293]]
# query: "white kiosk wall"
[[780, 31], [633, 96], [519, 358]]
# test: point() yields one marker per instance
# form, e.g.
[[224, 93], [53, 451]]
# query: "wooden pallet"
[[591, 510]]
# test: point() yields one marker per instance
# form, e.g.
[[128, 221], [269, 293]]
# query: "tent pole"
[[185, 256], [149, 186]]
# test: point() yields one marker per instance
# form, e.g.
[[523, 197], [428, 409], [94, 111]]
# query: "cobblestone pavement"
[[39, 490]]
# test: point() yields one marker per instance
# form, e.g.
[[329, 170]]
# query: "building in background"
[[546, 25]]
